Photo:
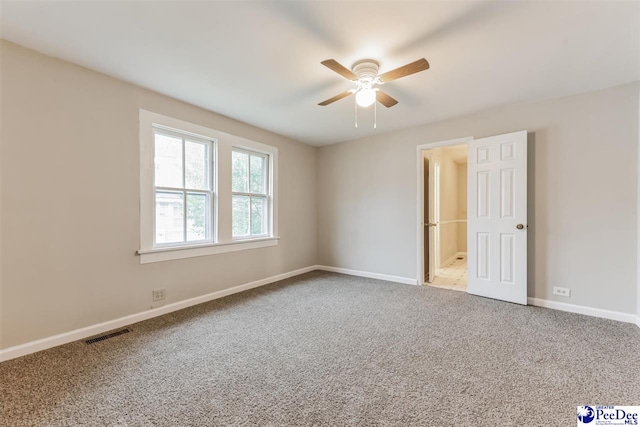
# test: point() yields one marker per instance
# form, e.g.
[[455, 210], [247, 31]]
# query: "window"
[[183, 188], [250, 185], [202, 191]]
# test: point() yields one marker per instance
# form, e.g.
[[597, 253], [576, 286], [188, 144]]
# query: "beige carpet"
[[329, 349]]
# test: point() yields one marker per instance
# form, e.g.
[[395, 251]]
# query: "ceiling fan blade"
[[385, 99], [339, 68], [336, 98], [406, 70]]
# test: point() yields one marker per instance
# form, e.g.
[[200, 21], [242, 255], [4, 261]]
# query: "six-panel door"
[[497, 217]]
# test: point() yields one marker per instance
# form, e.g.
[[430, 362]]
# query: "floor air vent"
[[107, 336]]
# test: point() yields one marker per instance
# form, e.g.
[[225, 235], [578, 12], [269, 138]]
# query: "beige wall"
[[462, 206], [582, 195], [70, 194]]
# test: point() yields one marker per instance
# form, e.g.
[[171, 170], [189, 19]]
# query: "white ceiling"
[[259, 62]]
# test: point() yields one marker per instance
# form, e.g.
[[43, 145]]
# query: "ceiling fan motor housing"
[[366, 70]]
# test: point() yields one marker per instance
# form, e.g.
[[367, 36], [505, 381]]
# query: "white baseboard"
[[388, 278], [453, 258], [81, 333], [78, 334], [448, 261], [589, 311]]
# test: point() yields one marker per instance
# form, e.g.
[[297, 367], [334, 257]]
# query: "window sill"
[[181, 252]]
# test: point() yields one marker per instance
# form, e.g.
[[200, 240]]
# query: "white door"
[[497, 217], [434, 188]]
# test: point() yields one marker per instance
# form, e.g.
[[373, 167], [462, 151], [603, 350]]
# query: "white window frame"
[[250, 194], [211, 178], [223, 144]]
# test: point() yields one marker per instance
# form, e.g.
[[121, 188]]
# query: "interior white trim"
[[538, 302], [638, 228], [448, 261], [581, 309], [387, 277], [452, 258], [81, 333], [168, 254]]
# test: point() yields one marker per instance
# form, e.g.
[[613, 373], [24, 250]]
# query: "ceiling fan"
[[365, 74]]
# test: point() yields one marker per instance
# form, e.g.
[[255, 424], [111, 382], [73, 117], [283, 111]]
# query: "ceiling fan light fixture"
[[365, 75], [366, 97]]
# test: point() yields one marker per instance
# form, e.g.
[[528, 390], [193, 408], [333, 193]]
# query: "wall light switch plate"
[[563, 292]]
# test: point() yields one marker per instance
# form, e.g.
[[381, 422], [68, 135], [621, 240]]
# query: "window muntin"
[[250, 194], [183, 189]]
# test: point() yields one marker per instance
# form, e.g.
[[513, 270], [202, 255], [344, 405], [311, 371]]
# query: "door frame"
[[420, 197]]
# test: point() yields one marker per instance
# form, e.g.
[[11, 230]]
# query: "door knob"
[[519, 226]]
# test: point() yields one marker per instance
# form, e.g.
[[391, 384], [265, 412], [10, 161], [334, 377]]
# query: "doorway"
[[496, 219], [445, 217]]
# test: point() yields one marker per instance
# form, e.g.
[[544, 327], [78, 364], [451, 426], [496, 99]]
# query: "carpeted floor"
[[329, 349]]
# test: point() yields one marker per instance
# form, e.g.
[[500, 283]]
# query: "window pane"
[[196, 162], [168, 161], [240, 216], [197, 217], [169, 217], [258, 173], [240, 172], [258, 215]]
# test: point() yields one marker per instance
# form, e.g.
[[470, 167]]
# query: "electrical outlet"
[[158, 294], [563, 292]]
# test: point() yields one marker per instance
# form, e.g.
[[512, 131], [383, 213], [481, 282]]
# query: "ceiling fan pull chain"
[[356, 114], [375, 115]]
